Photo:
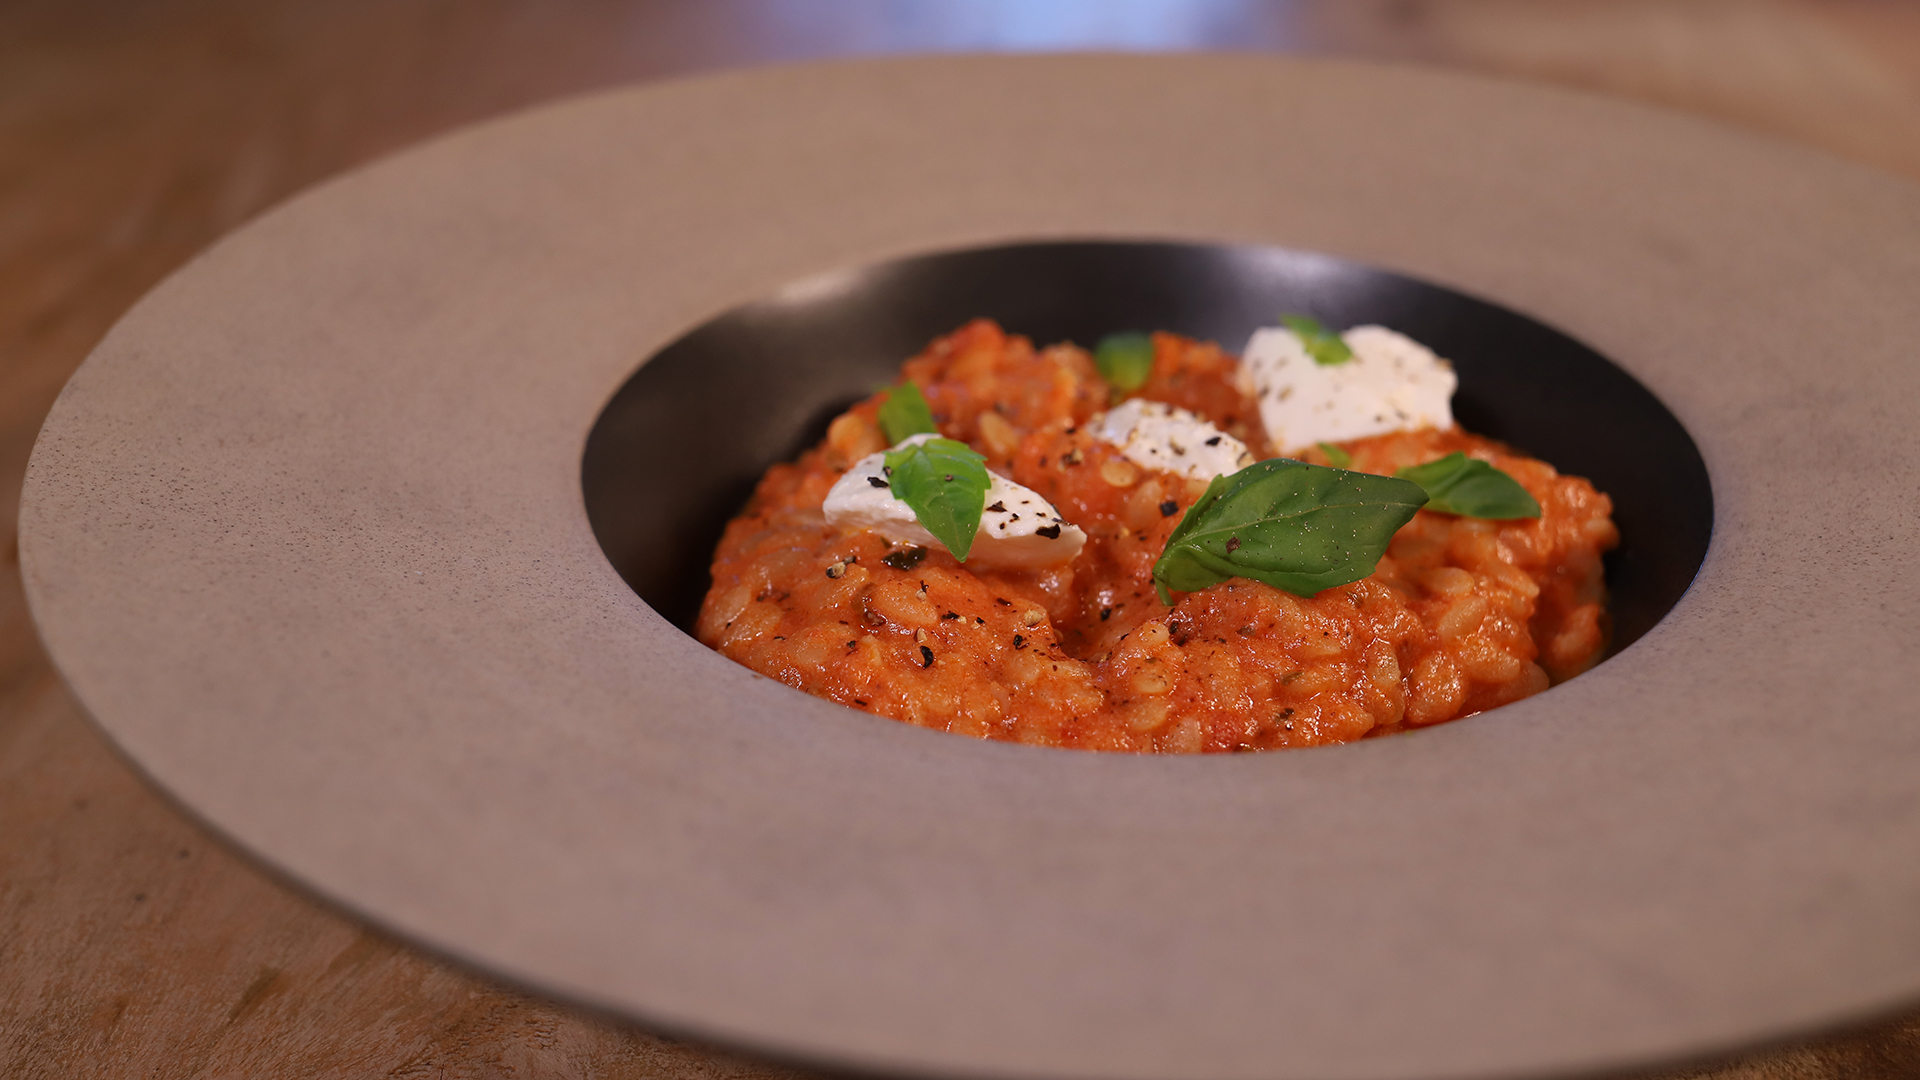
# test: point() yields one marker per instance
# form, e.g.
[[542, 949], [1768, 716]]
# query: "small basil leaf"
[[1298, 527], [945, 482], [1469, 487], [905, 413], [1125, 360], [1340, 458], [1321, 343]]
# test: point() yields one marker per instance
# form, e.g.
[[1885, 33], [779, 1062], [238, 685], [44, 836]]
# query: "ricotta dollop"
[[1159, 436], [1392, 383], [1019, 529]]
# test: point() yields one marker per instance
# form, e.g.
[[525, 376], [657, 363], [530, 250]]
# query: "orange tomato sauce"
[[1460, 616]]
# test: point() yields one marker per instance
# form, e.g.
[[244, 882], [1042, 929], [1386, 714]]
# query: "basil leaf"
[[1125, 359], [1340, 458], [1469, 487], [1298, 527], [1321, 343], [945, 482], [905, 413]]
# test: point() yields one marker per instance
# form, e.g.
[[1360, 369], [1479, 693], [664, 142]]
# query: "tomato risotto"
[[841, 577]]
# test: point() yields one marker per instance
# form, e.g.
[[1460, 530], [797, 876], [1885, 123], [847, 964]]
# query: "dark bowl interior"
[[678, 449]]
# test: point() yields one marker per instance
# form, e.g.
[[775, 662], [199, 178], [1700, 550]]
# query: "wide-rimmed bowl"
[[306, 536]]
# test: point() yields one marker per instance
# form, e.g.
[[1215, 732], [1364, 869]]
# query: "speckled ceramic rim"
[[305, 536]]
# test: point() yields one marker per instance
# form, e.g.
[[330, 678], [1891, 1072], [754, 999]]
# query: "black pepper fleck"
[[877, 482], [1169, 508], [906, 558], [926, 657], [1051, 532]]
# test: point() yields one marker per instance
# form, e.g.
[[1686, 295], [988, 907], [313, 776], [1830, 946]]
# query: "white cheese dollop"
[[1393, 383], [1019, 530], [1159, 436]]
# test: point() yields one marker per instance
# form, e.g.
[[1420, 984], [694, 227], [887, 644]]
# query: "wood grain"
[[132, 134]]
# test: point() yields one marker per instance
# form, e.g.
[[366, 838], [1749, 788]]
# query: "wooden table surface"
[[133, 133]]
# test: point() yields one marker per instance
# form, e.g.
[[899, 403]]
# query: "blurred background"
[[135, 132]]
